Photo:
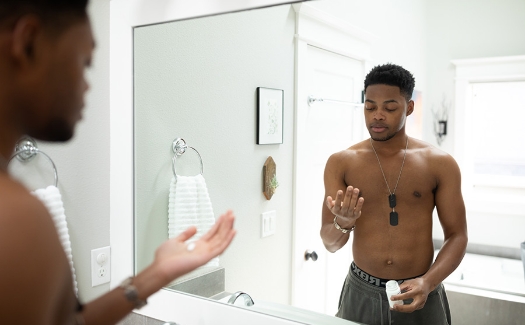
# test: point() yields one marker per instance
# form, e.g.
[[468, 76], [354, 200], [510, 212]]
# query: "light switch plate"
[[100, 266], [268, 223]]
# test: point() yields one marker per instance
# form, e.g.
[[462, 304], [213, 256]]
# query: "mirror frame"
[[124, 16]]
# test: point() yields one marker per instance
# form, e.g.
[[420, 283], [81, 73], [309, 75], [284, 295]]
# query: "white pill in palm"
[[190, 246]]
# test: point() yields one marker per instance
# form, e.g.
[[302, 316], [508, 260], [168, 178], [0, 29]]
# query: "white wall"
[[399, 27], [197, 80]]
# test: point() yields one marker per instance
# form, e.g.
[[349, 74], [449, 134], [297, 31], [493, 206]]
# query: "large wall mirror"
[[196, 79]]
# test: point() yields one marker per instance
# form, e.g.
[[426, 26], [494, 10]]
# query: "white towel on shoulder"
[[190, 205], [52, 199]]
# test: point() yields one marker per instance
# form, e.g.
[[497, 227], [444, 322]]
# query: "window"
[[498, 149]]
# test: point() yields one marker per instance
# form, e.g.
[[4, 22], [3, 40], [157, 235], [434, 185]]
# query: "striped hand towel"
[[190, 205], [52, 199]]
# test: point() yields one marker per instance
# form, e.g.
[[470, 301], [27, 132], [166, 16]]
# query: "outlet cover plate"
[[100, 266], [268, 223]]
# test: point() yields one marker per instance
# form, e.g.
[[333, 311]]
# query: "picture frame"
[[270, 109]]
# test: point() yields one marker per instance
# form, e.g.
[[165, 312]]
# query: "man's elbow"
[[460, 238]]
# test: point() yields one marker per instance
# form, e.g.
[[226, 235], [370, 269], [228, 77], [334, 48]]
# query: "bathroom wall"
[[399, 27], [462, 30]]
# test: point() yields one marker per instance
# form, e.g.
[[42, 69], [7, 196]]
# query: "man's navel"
[[417, 194]]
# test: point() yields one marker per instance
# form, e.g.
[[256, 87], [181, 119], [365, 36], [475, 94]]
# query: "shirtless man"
[[387, 200], [45, 46]]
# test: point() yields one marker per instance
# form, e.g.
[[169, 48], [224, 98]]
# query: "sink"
[[204, 282], [284, 311]]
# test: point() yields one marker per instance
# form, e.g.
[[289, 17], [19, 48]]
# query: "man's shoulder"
[[354, 151], [432, 154], [17, 202], [24, 220]]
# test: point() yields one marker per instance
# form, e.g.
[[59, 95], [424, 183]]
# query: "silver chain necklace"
[[392, 197]]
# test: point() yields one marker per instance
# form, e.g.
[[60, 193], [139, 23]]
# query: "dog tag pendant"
[[392, 200], [393, 218]]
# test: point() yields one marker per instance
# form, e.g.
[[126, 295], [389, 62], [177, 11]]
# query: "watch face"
[[130, 291]]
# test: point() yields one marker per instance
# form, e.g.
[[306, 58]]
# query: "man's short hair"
[[56, 14], [392, 75]]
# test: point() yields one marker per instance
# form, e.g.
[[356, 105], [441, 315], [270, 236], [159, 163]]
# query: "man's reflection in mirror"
[[384, 190]]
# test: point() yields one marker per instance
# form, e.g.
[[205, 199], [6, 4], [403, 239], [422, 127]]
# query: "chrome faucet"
[[247, 299]]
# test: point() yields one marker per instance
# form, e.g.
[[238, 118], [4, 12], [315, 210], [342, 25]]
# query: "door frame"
[[319, 29]]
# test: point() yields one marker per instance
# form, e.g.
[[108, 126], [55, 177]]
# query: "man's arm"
[[172, 259], [451, 213], [347, 206]]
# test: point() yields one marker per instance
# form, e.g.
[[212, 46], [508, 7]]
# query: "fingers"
[[224, 222], [359, 206], [223, 234], [187, 234], [347, 204], [410, 292], [213, 230], [222, 231], [351, 199], [222, 245], [338, 203], [416, 304], [330, 202]]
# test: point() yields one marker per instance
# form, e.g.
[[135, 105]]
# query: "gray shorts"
[[368, 304]]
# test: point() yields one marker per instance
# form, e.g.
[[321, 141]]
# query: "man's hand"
[[173, 258], [347, 209], [416, 289]]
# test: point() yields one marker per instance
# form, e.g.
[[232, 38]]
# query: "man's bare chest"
[[415, 185]]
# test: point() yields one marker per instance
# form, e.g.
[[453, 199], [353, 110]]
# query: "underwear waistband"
[[373, 280]]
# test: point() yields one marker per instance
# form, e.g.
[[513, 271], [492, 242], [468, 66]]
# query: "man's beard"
[[388, 137], [56, 131]]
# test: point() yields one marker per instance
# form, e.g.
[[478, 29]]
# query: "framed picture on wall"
[[270, 103]]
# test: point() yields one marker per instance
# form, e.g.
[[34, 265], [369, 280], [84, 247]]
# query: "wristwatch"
[[338, 227], [130, 291]]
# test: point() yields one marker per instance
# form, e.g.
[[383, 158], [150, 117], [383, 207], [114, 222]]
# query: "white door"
[[323, 128]]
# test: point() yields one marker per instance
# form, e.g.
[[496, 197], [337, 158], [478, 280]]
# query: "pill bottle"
[[392, 288]]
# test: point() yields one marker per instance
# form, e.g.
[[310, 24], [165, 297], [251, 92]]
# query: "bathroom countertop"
[[297, 314], [286, 311]]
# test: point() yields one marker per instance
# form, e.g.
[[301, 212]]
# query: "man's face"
[[385, 111], [59, 82]]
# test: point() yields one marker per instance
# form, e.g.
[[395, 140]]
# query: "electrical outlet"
[[100, 266]]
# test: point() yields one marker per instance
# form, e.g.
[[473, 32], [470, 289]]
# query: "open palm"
[[175, 259]]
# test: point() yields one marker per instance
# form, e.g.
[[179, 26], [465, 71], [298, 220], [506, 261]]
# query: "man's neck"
[[391, 146], [8, 140]]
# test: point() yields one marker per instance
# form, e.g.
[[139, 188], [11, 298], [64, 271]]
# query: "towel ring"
[[26, 149], [179, 147]]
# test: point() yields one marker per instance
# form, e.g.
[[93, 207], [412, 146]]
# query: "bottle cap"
[[392, 285]]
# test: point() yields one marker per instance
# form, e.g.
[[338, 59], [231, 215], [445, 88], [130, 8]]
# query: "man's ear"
[[24, 39], [410, 107]]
